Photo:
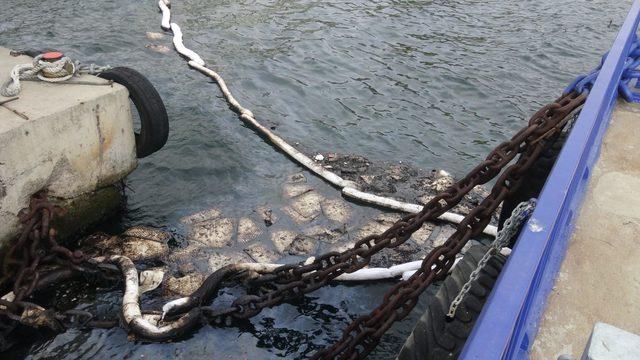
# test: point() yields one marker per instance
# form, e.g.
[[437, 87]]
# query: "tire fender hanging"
[[435, 337], [154, 121]]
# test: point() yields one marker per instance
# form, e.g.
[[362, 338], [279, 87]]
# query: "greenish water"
[[433, 83]]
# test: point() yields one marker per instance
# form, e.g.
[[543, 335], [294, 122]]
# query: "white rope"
[[177, 42], [47, 71], [406, 207], [349, 188], [166, 14], [131, 312], [56, 71], [247, 116]]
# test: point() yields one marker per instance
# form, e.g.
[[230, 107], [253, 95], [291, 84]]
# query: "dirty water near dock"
[[434, 84]]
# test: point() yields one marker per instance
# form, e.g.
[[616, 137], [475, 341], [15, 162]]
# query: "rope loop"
[[41, 69]]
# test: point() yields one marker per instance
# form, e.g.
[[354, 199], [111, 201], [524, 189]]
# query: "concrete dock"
[[599, 280], [72, 139]]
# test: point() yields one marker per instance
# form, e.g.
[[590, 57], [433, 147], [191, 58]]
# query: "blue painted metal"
[[508, 323], [584, 83]]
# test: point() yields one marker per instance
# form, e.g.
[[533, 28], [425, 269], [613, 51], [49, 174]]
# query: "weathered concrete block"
[[607, 342], [69, 138]]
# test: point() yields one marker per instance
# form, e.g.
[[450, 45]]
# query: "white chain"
[[508, 231]]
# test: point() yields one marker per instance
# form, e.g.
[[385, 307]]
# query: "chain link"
[[508, 232], [362, 335], [29, 262], [37, 244]]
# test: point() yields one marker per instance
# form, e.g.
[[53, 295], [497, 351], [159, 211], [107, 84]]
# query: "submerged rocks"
[[262, 253], [336, 210], [158, 48], [220, 259], [305, 207], [267, 215], [144, 243], [324, 234], [137, 243], [445, 232], [442, 181], [215, 233], [422, 235], [401, 254], [147, 233], [308, 219], [293, 190], [247, 230], [302, 245], [143, 249], [154, 35], [296, 178], [200, 216], [184, 285], [282, 239]]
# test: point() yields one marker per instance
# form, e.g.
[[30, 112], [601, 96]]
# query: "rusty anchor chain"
[[37, 249], [362, 336], [36, 260]]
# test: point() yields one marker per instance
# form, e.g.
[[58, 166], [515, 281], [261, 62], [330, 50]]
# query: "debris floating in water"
[[319, 157], [158, 48], [154, 35]]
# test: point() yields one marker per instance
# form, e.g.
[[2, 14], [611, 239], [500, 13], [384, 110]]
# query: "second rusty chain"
[[362, 336], [291, 281], [364, 333]]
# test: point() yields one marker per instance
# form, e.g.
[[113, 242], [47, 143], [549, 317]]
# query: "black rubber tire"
[[437, 337], [536, 177], [153, 115]]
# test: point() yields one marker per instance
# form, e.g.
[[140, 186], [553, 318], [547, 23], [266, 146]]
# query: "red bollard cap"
[[53, 55]]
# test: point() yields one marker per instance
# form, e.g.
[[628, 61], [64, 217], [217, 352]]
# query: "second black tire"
[[154, 122], [435, 337], [536, 177]]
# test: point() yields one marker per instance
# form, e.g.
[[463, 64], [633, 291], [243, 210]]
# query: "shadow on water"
[[433, 83]]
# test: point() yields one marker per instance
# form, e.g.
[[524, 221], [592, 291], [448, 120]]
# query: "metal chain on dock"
[[509, 231]]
